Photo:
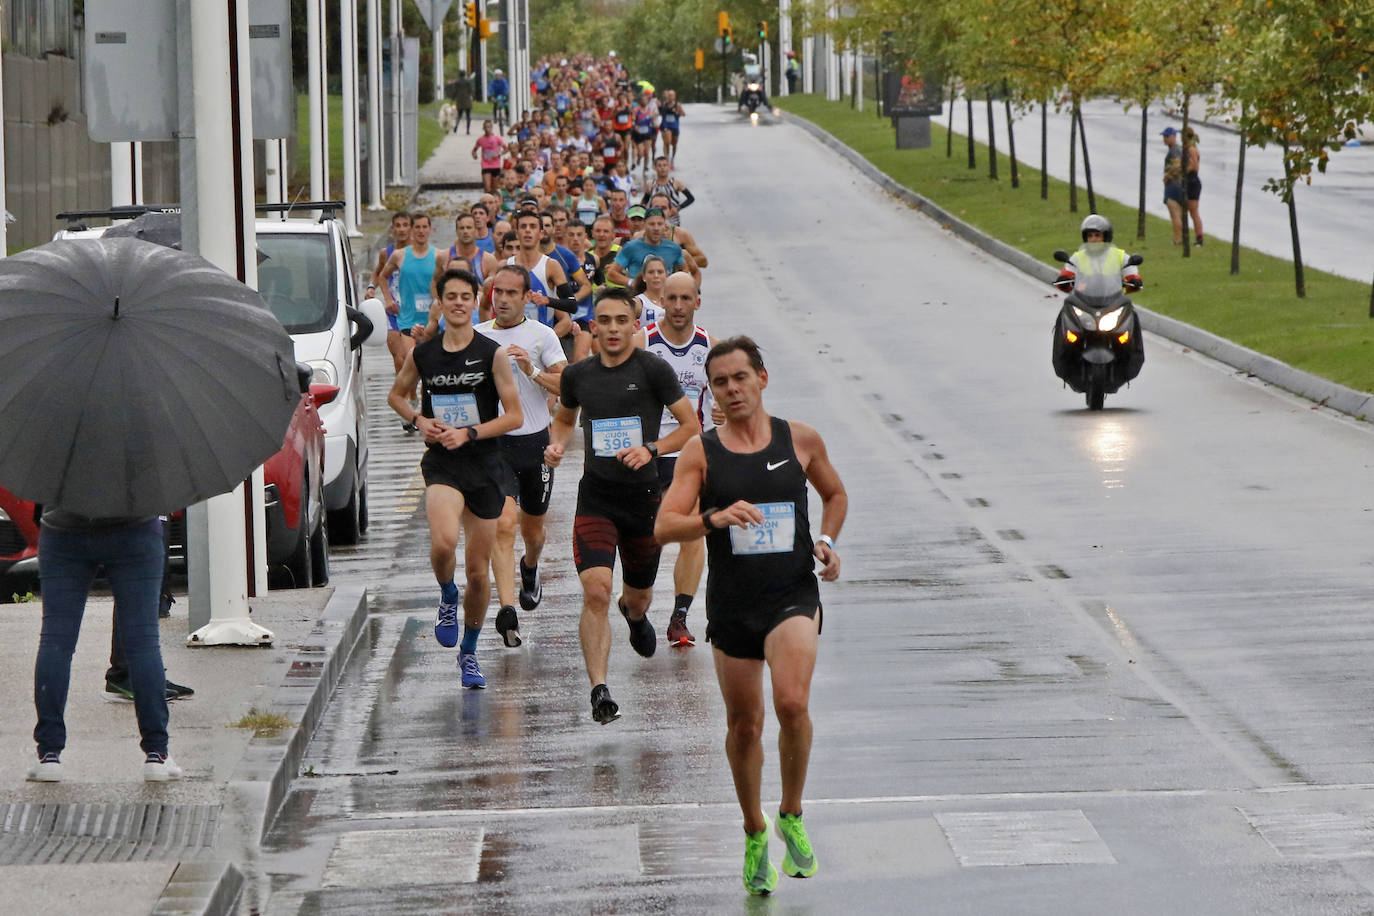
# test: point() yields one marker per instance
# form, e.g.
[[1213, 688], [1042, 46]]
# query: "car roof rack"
[[76, 219], [327, 208]]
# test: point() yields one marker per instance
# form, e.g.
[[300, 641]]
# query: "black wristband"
[[706, 518], [472, 434]]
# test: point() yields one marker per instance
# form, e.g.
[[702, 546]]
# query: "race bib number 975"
[[455, 409], [614, 434], [775, 534]]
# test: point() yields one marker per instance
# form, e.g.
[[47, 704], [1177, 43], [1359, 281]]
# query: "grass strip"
[[1328, 333]]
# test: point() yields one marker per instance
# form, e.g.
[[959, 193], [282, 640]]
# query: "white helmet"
[[1096, 223], [498, 72]]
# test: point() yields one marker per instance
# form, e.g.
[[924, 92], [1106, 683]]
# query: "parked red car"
[[18, 546], [297, 524]]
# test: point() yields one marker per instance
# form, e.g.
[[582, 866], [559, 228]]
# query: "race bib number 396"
[[775, 534], [614, 434]]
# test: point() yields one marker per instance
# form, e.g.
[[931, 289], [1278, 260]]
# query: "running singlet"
[[413, 289], [621, 408], [541, 343], [459, 389], [538, 284], [588, 210], [649, 313], [475, 262], [669, 118], [689, 364], [766, 567], [487, 243]]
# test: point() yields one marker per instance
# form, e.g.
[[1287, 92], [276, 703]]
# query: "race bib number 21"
[[775, 534]]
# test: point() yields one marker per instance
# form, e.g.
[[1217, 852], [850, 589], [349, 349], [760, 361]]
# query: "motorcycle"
[[751, 97], [1097, 345]]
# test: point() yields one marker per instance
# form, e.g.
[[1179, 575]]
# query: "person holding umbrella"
[[95, 336]]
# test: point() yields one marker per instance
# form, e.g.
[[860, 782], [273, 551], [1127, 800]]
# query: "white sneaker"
[[47, 768], [160, 768]]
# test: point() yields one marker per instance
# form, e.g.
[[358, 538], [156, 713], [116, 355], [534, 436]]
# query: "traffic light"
[[699, 61], [723, 23], [728, 36], [485, 31], [763, 30], [470, 13]]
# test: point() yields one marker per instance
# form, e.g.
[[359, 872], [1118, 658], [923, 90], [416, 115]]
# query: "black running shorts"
[[619, 518], [743, 637], [665, 472], [483, 479], [531, 480]]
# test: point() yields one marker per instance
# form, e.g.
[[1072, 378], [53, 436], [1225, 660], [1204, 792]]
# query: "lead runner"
[[762, 598]]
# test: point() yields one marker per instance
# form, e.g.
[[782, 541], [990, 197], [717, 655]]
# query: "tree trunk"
[[1289, 198], [1073, 163], [992, 139], [949, 134], [1011, 138], [1183, 177], [1044, 151], [1235, 221], [1144, 150], [972, 159], [1087, 165]]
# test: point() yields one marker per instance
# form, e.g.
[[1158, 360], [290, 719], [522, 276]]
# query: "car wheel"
[[346, 525], [319, 552], [362, 509], [298, 564]]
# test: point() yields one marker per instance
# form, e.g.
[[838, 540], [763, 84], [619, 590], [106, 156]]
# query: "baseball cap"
[[635, 212], [1167, 132]]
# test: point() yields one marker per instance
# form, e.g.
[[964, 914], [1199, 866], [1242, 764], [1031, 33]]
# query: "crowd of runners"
[[569, 302]]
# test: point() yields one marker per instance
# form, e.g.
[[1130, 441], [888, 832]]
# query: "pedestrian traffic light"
[[484, 31], [470, 13], [763, 30]]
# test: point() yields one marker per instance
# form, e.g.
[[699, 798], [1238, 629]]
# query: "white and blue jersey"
[[689, 365]]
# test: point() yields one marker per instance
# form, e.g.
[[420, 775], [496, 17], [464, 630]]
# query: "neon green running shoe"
[[760, 877], [800, 861]]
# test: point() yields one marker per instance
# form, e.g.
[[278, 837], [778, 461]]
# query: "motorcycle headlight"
[[1109, 321], [753, 87], [325, 373], [1085, 319]]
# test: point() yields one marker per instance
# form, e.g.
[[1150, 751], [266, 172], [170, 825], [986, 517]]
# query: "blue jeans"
[[67, 564]]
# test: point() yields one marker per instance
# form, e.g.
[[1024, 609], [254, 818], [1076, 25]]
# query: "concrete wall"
[[51, 164]]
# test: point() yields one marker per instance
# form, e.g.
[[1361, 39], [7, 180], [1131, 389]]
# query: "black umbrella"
[[136, 379]]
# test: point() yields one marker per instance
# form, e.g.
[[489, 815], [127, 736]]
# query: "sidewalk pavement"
[[104, 841], [452, 165]]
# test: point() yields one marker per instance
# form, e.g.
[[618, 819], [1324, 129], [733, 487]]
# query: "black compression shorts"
[[743, 637], [617, 518], [531, 480], [483, 479]]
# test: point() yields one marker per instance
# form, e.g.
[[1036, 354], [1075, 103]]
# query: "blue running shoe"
[[472, 675], [446, 625]]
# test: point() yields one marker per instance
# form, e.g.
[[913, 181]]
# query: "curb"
[[263, 776], [1326, 393]]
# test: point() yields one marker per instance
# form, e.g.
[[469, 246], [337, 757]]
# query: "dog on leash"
[[448, 117]]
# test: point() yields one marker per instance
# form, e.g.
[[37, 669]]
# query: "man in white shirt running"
[[538, 357], [682, 344]]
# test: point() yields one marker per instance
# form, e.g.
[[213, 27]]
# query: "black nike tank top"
[[765, 567]]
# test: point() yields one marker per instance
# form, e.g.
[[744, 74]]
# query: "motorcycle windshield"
[[1101, 301], [1098, 285]]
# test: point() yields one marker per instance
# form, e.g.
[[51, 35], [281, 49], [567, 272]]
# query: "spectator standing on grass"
[[1173, 181], [1192, 158]]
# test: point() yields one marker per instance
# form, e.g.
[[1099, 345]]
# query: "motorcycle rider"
[[753, 85], [1098, 258]]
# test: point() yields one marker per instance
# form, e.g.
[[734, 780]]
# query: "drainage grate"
[[36, 834]]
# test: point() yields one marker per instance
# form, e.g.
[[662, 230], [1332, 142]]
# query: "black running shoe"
[[508, 625], [531, 589], [122, 690], [604, 709], [642, 635]]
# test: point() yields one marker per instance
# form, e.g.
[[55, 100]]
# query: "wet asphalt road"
[[1077, 662]]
